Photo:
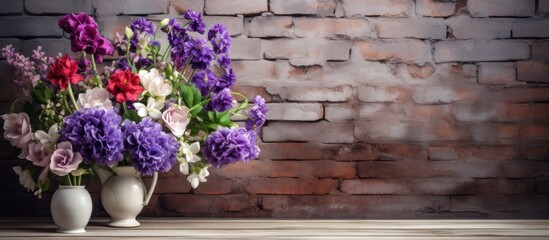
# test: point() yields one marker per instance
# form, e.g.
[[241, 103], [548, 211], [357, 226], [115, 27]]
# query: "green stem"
[[66, 103], [68, 179], [71, 94], [165, 53], [94, 68]]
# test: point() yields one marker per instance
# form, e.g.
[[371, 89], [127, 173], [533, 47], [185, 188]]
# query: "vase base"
[[78, 230], [124, 223]]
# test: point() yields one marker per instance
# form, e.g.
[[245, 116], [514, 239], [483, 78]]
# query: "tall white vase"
[[71, 208], [124, 195]]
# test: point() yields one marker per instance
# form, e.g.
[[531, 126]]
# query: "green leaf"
[[132, 115], [187, 94], [48, 93], [197, 96], [196, 110], [38, 95], [211, 116]]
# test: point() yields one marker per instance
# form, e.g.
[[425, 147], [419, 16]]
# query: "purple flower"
[[142, 25], [227, 80], [123, 64], [204, 81], [96, 134], [144, 63], [229, 145], [87, 38], [152, 150], [224, 60], [220, 38], [70, 22], [257, 114], [221, 101], [200, 54], [196, 24]]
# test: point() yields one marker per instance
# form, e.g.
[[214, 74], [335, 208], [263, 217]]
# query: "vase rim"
[[69, 186]]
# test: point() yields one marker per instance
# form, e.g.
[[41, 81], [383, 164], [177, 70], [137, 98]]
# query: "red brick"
[[422, 72], [290, 151], [351, 152], [393, 113], [308, 93], [247, 7], [177, 184], [306, 51], [401, 151], [325, 132], [444, 94], [540, 50], [530, 71], [531, 29], [404, 50], [291, 186], [497, 133], [215, 186], [520, 94], [278, 27], [344, 206], [253, 71], [180, 7], [538, 151], [251, 91], [501, 186], [474, 111], [434, 8], [377, 7], [430, 186], [207, 205], [524, 113], [448, 152], [304, 169], [332, 27], [309, 7], [496, 206], [535, 132], [480, 50], [491, 8], [424, 28]]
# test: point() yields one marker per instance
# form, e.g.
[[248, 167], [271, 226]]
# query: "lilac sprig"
[[229, 145], [28, 71], [257, 114]]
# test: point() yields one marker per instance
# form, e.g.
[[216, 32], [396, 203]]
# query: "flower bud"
[[164, 22], [129, 33]]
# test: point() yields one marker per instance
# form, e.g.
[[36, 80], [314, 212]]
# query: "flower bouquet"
[[150, 108]]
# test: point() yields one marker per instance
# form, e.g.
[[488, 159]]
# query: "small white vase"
[[124, 195], [71, 208]]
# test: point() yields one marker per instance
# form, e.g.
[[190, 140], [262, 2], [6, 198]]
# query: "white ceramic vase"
[[124, 195], [71, 208]]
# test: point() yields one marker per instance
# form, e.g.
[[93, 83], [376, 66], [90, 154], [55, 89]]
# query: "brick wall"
[[378, 108]]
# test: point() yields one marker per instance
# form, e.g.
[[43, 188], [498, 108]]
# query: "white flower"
[[154, 83], [48, 139], [152, 109], [25, 178], [93, 98], [189, 153], [176, 119], [195, 179]]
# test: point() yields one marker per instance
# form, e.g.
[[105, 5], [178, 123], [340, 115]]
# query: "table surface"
[[188, 228]]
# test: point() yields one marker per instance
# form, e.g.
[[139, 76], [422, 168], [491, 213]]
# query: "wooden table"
[[177, 228]]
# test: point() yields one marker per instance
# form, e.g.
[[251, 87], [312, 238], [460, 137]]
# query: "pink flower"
[[39, 155], [17, 129], [176, 119], [64, 160]]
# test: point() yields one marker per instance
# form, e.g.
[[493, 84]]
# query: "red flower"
[[63, 72], [124, 85]]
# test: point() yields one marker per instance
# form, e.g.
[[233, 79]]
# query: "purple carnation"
[[87, 38], [224, 60], [96, 134], [221, 101], [229, 145], [201, 54], [142, 25], [227, 80], [70, 22], [257, 114], [152, 150], [196, 24], [220, 38], [204, 81]]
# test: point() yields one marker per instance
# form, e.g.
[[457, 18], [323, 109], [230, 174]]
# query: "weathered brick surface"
[[490, 8], [435, 8], [423, 28], [378, 108], [482, 50], [531, 28], [480, 28], [377, 7], [222, 7], [58, 6], [530, 71], [14, 7], [310, 7]]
